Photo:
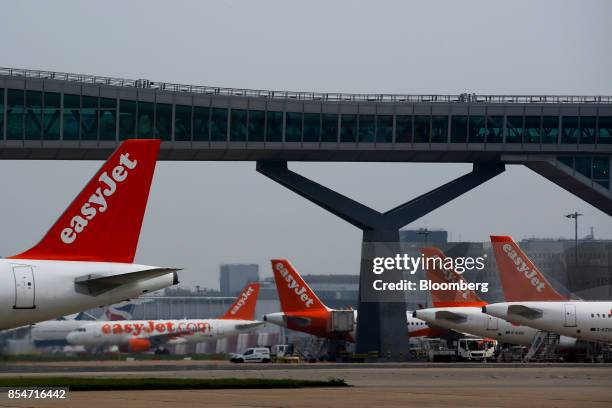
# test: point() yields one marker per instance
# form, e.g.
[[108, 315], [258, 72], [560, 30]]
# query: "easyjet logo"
[[98, 202], [521, 267], [295, 286], [156, 327], [450, 276], [243, 299]]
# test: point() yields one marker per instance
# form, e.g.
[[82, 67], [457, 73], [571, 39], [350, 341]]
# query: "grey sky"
[[205, 213]]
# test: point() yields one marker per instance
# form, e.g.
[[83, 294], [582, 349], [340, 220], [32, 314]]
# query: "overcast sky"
[[202, 214]]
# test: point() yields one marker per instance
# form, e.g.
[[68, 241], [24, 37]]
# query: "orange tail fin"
[[244, 306], [294, 294], [103, 222], [438, 274], [520, 278]]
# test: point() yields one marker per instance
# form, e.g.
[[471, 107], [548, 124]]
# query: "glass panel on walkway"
[[274, 126], [495, 129], [163, 121], [293, 133], [550, 129], [201, 116], [257, 125], [384, 128], [477, 129], [403, 129], [218, 125], [329, 128], [532, 129], [569, 129], [514, 129], [348, 128], [421, 129], [238, 125], [459, 129]]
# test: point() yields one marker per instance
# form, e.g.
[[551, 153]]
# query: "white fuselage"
[[120, 333], [480, 324], [583, 320], [415, 327], [55, 330], [36, 290]]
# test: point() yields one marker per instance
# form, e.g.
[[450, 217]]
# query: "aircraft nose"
[[484, 309], [414, 314]]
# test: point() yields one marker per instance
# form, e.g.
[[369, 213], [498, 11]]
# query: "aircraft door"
[[570, 315], [492, 323], [24, 287]]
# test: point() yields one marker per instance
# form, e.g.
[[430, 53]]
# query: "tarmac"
[[372, 385]]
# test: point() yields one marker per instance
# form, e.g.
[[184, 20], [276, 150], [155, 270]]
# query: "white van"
[[252, 355]]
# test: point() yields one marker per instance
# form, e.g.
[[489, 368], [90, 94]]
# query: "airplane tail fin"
[[520, 278], [438, 271], [103, 222], [244, 306], [114, 313], [294, 294]]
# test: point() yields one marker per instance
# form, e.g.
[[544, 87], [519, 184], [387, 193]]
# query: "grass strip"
[[132, 384]]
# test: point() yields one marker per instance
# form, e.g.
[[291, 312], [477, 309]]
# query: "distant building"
[[335, 291], [233, 277], [424, 235]]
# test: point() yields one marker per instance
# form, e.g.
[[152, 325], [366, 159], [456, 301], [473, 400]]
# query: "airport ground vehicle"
[[253, 355], [143, 335], [86, 259], [286, 353], [512, 354], [464, 349]]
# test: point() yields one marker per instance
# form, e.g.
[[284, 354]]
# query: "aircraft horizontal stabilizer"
[[253, 325], [298, 320], [451, 316], [95, 284], [524, 311]]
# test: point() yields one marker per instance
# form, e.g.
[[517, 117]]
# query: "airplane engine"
[[139, 345]]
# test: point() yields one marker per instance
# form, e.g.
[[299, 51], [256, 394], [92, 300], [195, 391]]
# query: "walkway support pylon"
[[381, 325]]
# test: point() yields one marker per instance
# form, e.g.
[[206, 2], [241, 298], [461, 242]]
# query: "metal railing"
[[303, 96]]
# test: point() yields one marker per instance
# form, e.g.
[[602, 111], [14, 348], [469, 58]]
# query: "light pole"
[[575, 216]]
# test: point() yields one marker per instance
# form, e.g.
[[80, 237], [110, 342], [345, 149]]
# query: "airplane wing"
[[524, 311], [253, 325], [94, 284], [451, 316]]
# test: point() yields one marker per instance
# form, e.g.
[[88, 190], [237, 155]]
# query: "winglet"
[[521, 280], [243, 307], [294, 294], [437, 273], [103, 222]]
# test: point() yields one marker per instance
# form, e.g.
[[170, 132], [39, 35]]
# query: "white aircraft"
[[461, 310], [585, 320], [85, 260], [142, 335], [54, 332]]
